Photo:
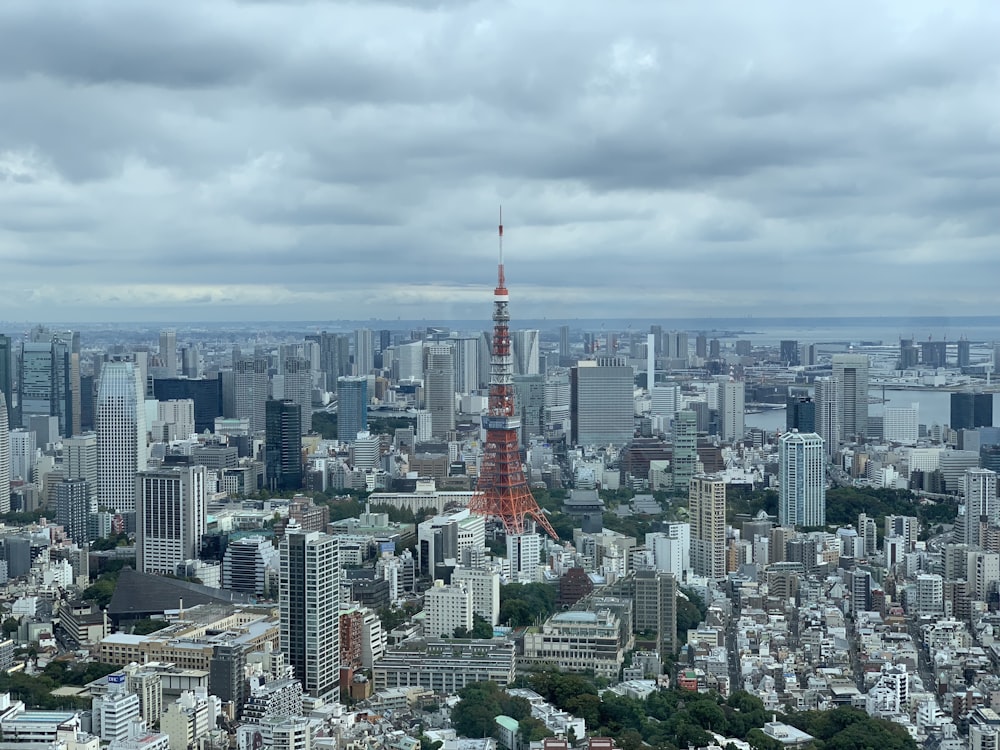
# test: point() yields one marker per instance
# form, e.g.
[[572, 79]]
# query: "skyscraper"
[[170, 516], [524, 345], [80, 462], [789, 353], [685, 448], [250, 391], [121, 435], [655, 608], [205, 392], [283, 445], [168, 352], [732, 396], [563, 344], [602, 408], [981, 507], [49, 378], [802, 470], [529, 404], [411, 361], [466, 354], [364, 351], [352, 408], [439, 383], [298, 380], [828, 424], [7, 375], [851, 373], [707, 515], [74, 508], [4, 456], [800, 414], [309, 595], [971, 410]]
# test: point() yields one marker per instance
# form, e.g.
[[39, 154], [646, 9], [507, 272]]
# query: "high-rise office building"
[[334, 356], [524, 347], [439, 386], [121, 435], [971, 410], [707, 515], [168, 352], [934, 354], [655, 608], [4, 457], [789, 352], [563, 344], [298, 379], [964, 353], [466, 356], [665, 400], [206, 393], [901, 424], [800, 414], [909, 354], [802, 471], [74, 507], [828, 422], [49, 379], [283, 445], [309, 596], [411, 361], [170, 516], [685, 448], [529, 405], [80, 462], [732, 409], [352, 408], [364, 351], [190, 361], [981, 506], [602, 407], [701, 346], [176, 417], [23, 451], [7, 375], [250, 391], [851, 373]]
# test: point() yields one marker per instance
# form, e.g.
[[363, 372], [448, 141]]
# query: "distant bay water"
[[935, 408]]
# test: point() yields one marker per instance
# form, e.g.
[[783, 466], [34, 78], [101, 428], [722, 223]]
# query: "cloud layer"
[[323, 160]]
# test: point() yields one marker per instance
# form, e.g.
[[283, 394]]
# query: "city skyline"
[[236, 179]]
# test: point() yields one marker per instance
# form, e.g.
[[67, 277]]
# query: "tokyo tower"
[[503, 490]]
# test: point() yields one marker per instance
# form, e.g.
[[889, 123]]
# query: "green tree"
[[10, 626], [148, 625]]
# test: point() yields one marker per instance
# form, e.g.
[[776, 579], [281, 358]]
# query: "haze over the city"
[[193, 161]]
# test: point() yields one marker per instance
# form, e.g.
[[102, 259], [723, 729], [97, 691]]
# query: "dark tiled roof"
[[140, 594]]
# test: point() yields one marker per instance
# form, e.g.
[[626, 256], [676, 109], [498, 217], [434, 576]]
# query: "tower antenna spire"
[[500, 275]]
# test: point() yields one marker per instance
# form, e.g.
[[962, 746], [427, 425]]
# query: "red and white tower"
[[503, 490]]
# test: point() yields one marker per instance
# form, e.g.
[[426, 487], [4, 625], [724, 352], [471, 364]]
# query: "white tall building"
[[524, 347], [981, 506], [411, 361], [298, 386], [366, 451], [671, 549], [851, 373], [466, 360], [80, 462], [802, 472], [112, 713], [524, 552], [250, 391], [901, 424], [309, 596], [484, 586], [666, 401], [170, 517], [22, 454], [447, 608], [120, 417], [179, 412], [828, 422], [4, 456], [930, 595], [732, 409]]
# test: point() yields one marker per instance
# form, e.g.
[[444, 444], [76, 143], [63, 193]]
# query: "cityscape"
[[499, 376]]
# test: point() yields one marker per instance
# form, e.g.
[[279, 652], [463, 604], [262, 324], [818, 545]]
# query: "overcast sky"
[[172, 161]]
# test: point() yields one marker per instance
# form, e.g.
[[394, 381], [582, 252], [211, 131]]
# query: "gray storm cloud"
[[191, 160]]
